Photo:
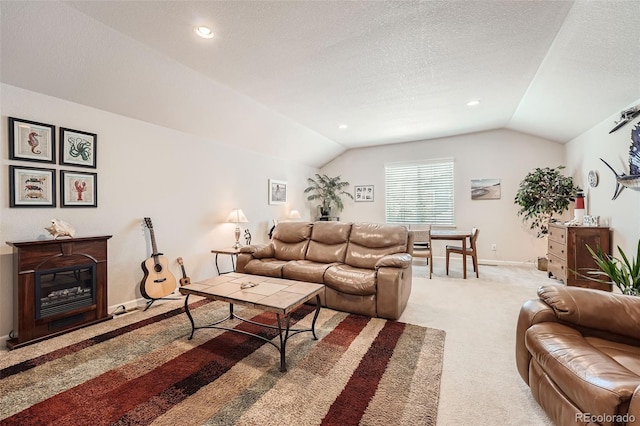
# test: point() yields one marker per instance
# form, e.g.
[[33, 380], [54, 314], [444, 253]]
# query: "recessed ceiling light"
[[342, 126], [204, 32], [474, 102]]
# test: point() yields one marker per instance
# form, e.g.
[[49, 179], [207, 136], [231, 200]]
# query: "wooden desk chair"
[[422, 246], [471, 251]]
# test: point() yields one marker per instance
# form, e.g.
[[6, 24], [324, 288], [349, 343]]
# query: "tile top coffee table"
[[277, 295]]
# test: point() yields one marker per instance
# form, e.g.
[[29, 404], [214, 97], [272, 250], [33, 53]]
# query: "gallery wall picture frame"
[[363, 193], [31, 141], [32, 187], [78, 189], [78, 148], [277, 191]]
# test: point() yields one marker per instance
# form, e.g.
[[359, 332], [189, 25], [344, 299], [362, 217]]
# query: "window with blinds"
[[420, 192]]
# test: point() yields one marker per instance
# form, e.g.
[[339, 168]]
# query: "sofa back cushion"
[[290, 240], [369, 242], [328, 242]]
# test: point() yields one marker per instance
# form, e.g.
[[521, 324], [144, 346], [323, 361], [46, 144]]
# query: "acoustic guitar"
[[158, 281], [185, 280]]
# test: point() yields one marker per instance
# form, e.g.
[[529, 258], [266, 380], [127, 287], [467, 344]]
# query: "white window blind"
[[420, 192]]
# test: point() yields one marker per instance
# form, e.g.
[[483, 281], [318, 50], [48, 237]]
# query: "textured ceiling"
[[392, 71]]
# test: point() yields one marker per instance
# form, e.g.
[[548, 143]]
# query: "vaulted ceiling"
[[392, 71]]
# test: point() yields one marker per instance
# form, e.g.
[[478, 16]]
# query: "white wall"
[[583, 154], [185, 183], [502, 154]]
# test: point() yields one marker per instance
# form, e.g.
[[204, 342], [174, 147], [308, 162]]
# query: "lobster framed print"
[[78, 189], [32, 187], [31, 141], [78, 148]]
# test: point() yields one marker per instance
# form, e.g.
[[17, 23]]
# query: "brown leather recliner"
[[365, 267], [579, 351]]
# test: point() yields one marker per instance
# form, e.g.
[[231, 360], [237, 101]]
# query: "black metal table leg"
[[186, 308]]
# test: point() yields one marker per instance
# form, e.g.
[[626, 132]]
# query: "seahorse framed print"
[[31, 141], [78, 148], [32, 187], [78, 189]]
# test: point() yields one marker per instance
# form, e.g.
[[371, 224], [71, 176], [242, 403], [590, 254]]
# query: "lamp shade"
[[294, 214], [237, 216]]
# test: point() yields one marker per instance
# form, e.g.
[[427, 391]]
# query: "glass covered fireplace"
[[64, 289]]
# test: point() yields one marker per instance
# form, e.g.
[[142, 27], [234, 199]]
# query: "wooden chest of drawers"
[[568, 254]]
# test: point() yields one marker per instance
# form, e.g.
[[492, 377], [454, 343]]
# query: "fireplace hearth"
[[59, 286]]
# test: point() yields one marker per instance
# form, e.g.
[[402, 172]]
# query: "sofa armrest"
[[393, 291], [594, 309], [634, 406], [532, 312], [398, 260], [262, 251]]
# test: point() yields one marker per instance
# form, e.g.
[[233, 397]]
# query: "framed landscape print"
[[32, 187], [277, 191], [31, 141], [78, 189], [363, 193], [485, 189], [78, 148]]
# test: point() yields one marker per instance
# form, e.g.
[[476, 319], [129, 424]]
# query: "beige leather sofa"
[[579, 351], [366, 267]]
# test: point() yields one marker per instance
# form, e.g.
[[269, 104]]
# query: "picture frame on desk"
[[591, 220]]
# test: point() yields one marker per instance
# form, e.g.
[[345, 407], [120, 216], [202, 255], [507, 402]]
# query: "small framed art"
[[32, 187], [78, 148], [31, 141], [78, 189], [363, 192], [277, 191]]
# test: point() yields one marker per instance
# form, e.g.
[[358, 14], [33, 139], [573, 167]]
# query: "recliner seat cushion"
[[265, 267], [350, 280], [305, 270], [369, 242], [594, 381]]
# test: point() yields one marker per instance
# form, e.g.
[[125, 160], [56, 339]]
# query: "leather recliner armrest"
[[634, 408], [262, 251], [398, 260], [594, 309]]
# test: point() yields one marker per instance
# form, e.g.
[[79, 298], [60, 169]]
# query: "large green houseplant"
[[624, 273], [329, 191], [543, 193]]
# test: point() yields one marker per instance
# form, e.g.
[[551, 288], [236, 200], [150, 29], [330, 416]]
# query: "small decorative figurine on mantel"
[[60, 228]]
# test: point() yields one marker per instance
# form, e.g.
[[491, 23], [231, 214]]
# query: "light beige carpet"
[[480, 383]]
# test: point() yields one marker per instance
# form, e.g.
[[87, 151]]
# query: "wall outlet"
[[494, 247]]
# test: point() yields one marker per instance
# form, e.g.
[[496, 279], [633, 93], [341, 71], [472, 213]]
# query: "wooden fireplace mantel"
[[31, 257]]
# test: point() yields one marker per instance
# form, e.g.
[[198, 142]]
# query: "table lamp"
[[294, 214], [237, 216]]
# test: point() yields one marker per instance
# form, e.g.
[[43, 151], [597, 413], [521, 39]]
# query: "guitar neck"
[[154, 247]]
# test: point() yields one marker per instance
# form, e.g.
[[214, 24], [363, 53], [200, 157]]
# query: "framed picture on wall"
[[277, 191], [485, 189], [78, 148], [31, 141], [32, 187], [78, 189], [363, 193]]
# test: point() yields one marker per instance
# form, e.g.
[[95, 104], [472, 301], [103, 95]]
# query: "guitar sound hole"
[[157, 267]]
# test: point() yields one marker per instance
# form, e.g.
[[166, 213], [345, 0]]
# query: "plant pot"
[[542, 263], [325, 211]]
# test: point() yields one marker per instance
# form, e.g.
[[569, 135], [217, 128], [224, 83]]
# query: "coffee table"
[[277, 295]]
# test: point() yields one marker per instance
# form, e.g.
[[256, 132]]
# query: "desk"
[[440, 234], [233, 252]]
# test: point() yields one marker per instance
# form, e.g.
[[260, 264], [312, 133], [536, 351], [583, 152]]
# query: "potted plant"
[[541, 194], [623, 273], [327, 190]]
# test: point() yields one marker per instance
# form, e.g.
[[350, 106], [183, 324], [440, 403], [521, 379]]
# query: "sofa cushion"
[[369, 242], [350, 280], [328, 242], [305, 270], [290, 240], [266, 267], [594, 381]]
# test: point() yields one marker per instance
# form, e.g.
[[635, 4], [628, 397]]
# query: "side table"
[[233, 252]]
